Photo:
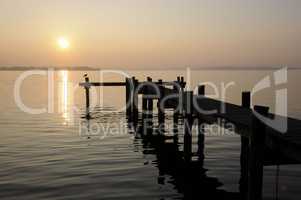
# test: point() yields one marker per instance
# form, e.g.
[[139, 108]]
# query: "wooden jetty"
[[261, 145]]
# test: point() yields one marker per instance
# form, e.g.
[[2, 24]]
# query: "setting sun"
[[63, 43]]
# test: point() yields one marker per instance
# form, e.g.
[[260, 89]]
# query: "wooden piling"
[[144, 101], [244, 151], [256, 158], [87, 91], [176, 114], [201, 141], [135, 99], [246, 99], [150, 105], [201, 90], [128, 98], [87, 88], [161, 113], [188, 122], [181, 95], [201, 130]]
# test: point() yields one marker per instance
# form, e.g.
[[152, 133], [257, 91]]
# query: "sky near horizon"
[[151, 33]]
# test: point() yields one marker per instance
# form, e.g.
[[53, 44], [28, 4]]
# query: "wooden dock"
[[260, 144]]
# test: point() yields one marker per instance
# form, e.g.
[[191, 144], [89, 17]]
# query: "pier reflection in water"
[[187, 176]]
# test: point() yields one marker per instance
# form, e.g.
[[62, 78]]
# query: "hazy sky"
[[151, 33]]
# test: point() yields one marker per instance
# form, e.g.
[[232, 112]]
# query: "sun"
[[63, 43]]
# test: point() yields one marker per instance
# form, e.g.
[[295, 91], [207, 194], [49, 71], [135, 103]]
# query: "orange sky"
[[151, 34]]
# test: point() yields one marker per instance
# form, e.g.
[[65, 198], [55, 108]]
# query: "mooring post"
[[128, 94], [246, 99], [144, 100], [182, 81], [176, 90], [182, 84], [150, 105], [256, 158], [201, 90], [161, 114], [244, 150], [188, 122], [135, 99], [201, 128], [181, 95], [87, 90]]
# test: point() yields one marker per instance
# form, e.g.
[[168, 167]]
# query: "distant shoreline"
[[83, 68]]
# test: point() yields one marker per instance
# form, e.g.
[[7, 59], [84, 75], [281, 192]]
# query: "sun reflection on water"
[[65, 98]]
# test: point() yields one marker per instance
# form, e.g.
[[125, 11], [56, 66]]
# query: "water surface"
[[46, 156]]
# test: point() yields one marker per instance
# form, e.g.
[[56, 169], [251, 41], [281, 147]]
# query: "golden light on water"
[[65, 97]]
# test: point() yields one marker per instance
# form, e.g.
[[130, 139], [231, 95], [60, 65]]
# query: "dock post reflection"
[[186, 175]]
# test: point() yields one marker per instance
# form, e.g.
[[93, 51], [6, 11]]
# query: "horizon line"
[[90, 68]]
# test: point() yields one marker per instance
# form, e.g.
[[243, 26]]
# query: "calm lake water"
[[48, 155]]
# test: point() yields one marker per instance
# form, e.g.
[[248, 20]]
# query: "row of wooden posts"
[[252, 145]]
